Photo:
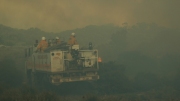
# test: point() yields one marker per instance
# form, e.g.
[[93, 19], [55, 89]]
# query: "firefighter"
[[72, 40], [58, 41], [42, 45], [100, 61]]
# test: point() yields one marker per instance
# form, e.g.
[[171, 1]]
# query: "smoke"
[[59, 15]]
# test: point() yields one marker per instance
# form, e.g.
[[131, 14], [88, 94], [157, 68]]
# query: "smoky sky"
[[60, 15]]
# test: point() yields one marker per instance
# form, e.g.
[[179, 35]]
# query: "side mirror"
[[90, 46]]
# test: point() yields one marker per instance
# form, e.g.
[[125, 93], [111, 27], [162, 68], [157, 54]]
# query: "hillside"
[[139, 62], [20, 37], [148, 39]]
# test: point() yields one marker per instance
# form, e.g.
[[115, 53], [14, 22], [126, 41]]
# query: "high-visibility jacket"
[[99, 59], [42, 45], [72, 41]]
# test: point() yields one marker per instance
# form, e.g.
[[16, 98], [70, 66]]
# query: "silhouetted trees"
[[141, 59]]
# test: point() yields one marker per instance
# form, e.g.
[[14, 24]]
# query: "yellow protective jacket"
[[72, 41], [99, 59], [42, 45]]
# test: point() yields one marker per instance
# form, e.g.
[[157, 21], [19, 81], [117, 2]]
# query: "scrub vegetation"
[[140, 63]]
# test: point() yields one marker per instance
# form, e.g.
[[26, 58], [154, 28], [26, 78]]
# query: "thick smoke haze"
[[60, 15], [138, 41]]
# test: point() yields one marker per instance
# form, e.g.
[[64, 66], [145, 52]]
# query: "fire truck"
[[61, 63]]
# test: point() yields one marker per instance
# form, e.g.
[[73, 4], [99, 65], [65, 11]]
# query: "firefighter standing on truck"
[[42, 45], [72, 40], [72, 53], [100, 61], [58, 41]]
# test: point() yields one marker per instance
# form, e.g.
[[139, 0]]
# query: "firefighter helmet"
[[73, 34], [43, 38], [57, 37]]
